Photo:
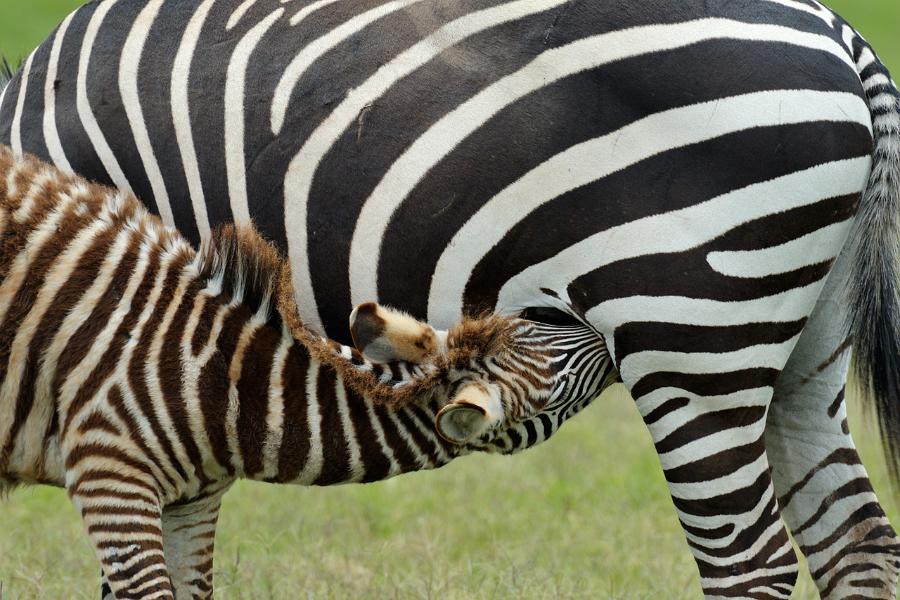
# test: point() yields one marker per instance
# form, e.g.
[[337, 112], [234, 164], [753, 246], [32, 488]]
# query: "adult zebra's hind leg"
[[823, 488], [827, 498], [709, 429]]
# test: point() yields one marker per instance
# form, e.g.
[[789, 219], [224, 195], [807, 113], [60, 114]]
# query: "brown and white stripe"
[[145, 377]]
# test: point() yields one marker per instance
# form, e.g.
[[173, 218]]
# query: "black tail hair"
[[874, 290], [6, 72]]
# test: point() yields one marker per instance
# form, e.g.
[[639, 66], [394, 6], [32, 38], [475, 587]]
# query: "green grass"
[[25, 23], [586, 515]]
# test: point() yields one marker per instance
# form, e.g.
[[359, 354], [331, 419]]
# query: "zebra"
[[712, 186], [116, 331]]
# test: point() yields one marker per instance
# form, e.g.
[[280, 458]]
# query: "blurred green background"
[[586, 515], [25, 23]]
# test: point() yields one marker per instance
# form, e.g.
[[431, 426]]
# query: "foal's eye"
[[548, 316]]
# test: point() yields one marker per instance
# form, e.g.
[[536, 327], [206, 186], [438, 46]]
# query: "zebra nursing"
[[145, 377], [682, 177]]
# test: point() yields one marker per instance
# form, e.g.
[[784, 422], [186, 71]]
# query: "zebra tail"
[[874, 302], [6, 72]]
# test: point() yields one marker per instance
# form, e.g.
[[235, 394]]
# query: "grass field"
[[586, 515]]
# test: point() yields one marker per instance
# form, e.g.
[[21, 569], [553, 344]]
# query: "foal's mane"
[[246, 267], [250, 269]]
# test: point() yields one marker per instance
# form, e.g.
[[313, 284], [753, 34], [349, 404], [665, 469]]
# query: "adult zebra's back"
[[682, 175]]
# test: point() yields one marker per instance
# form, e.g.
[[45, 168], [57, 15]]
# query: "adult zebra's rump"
[[682, 176]]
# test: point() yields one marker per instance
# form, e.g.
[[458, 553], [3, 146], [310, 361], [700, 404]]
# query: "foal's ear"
[[472, 412], [384, 335]]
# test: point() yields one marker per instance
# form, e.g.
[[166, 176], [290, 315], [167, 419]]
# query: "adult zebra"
[[680, 175]]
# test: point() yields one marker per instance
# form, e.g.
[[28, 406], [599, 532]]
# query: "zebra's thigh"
[[824, 491]]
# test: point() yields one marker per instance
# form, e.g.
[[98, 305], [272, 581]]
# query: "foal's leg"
[[189, 531], [125, 528], [824, 491], [105, 591]]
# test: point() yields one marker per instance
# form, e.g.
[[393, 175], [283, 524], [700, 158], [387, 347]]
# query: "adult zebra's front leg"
[[709, 432]]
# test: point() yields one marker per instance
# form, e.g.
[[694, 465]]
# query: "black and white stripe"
[[681, 175]]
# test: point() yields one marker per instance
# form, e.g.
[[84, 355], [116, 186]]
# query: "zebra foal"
[[145, 377]]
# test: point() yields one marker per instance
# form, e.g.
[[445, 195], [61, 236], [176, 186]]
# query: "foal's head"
[[497, 373]]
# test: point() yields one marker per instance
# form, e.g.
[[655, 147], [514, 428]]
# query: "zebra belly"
[[30, 455], [49, 469]]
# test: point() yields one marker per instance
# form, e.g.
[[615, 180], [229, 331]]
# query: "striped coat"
[[681, 176], [145, 377]]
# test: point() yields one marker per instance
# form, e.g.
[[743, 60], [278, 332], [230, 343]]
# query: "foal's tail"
[[874, 296]]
